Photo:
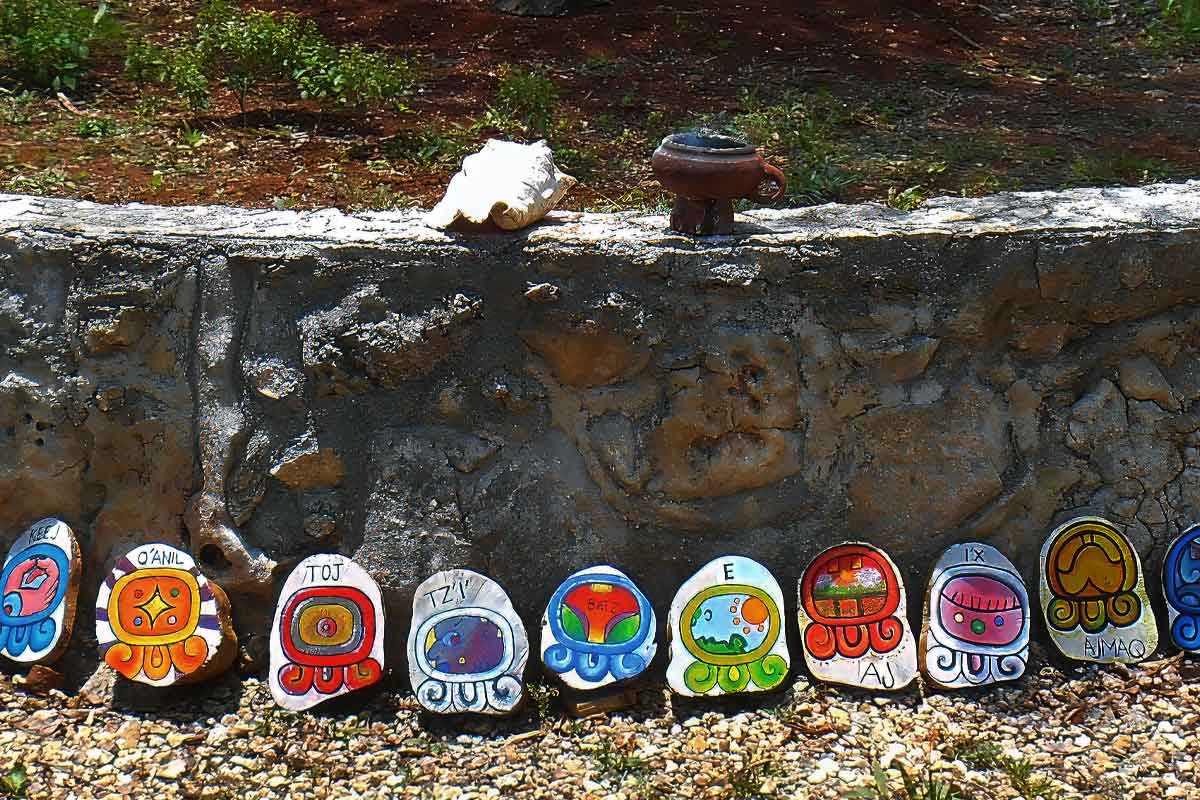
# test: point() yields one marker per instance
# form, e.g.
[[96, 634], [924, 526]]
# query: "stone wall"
[[262, 385]]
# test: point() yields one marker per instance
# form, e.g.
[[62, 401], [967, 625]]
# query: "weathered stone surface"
[[306, 467], [1141, 379], [595, 389]]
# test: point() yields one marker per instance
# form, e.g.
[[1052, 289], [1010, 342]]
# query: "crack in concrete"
[[193, 379]]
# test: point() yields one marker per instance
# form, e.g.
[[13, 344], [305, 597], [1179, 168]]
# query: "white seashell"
[[513, 184]]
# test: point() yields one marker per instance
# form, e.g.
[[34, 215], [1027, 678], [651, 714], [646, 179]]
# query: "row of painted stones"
[[160, 621]]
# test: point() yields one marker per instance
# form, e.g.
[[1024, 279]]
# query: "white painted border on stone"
[[888, 671], [325, 570], [615, 661], [462, 592], [951, 662], [774, 661], [1127, 644]]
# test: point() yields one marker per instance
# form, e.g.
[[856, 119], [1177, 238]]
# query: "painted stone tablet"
[[976, 627], [1181, 587], [852, 619], [598, 628], [726, 628], [327, 639], [160, 621], [38, 590], [1093, 594], [467, 647]]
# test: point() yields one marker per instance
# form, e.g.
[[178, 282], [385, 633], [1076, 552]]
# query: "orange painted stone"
[[159, 621]]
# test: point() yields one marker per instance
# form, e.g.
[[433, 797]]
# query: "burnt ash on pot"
[[708, 141]]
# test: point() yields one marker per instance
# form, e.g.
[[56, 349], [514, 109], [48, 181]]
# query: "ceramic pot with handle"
[[703, 166], [707, 172]]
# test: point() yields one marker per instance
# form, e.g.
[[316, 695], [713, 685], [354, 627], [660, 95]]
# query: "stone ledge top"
[[1159, 207]]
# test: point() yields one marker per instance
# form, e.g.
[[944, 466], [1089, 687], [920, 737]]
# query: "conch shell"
[[513, 184]]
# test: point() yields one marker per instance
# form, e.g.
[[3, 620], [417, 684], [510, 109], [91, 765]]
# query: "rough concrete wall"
[[260, 386]]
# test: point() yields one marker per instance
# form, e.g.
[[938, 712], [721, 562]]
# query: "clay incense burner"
[[707, 172]]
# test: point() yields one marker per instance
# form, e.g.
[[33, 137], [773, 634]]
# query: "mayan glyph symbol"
[[976, 628], [160, 621], [598, 628], [327, 639], [852, 619], [39, 586], [1181, 588], [1093, 595], [727, 636], [467, 647]]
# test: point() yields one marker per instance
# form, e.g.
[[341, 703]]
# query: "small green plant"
[[15, 783], [1094, 9], [926, 786], [617, 765], [972, 149], [805, 128], [1025, 783], [980, 754], [1184, 15], [47, 181], [905, 200], [369, 78], [16, 105], [747, 781], [145, 62], [1108, 167], [95, 128], [347, 76], [376, 197], [601, 64], [543, 699], [645, 790], [429, 147], [47, 42], [526, 100], [190, 137], [186, 74], [244, 51]]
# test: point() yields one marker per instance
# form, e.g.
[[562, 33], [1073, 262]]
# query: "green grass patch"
[[245, 51], [524, 103], [924, 786], [748, 781], [1118, 166], [613, 764]]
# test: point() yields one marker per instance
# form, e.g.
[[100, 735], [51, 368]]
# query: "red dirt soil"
[[1049, 90]]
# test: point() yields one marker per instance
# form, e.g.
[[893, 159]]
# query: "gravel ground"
[[1094, 732]]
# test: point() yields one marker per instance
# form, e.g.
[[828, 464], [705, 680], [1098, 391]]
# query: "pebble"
[[822, 744]]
